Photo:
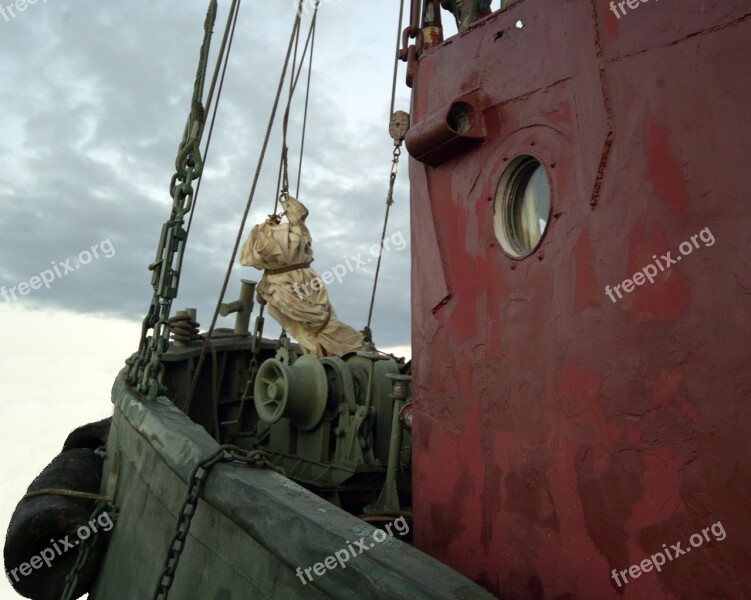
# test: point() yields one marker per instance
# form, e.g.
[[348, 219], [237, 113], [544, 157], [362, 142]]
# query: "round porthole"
[[522, 206]]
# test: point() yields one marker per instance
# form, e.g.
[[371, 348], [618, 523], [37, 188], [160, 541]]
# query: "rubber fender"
[[90, 436], [41, 523]]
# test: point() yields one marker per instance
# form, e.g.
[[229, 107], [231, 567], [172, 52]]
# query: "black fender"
[[92, 435], [41, 523]]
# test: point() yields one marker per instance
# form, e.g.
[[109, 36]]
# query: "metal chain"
[[84, 549], [414, 18], [413, 31], [224, 454], [389, 202], [253, 366], [215, 390], [146, 370]]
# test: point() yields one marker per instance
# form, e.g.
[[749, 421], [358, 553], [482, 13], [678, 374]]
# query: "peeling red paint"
[[668, 296], [663, 168], [560, 435], [609, 20], [560, 116]]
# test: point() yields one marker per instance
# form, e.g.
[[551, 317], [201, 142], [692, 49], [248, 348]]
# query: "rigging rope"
[[229, 36], [307, 98], [392, 178], [283, 176], [389, 202], [283, 163], [282, 180], [251, 196]]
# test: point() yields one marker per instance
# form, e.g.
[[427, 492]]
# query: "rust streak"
[[608, 109]]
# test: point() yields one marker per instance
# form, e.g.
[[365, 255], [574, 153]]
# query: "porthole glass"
[[522, 206]]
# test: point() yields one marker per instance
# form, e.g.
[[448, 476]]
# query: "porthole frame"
[[517, 172]]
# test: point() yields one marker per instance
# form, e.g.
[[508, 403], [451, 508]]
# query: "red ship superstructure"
[[581, 331]]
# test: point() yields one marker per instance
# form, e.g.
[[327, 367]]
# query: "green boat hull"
[[252, 530]]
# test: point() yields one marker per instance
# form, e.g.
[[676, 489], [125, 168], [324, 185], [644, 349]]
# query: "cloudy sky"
[[94, 100], [94, 104]]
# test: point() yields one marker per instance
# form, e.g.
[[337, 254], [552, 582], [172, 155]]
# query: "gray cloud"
[[94, 104]]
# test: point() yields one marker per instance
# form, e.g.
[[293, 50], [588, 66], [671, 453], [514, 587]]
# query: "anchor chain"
[[224, 454], [146, 369], [85, 548], [255, 353]]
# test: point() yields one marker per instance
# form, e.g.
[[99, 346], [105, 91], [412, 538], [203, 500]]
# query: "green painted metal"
[[388, 501], [251, 529], [329, 420], [297, 392]]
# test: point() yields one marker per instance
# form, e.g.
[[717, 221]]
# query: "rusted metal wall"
[[558, 434]]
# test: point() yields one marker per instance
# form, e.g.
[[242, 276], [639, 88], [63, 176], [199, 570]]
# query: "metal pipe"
[[243, 307]]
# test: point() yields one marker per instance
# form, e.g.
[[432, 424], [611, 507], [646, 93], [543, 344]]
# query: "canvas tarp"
[[294, 294]]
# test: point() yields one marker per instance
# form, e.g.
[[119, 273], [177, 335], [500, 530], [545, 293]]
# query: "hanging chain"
[[392, 179], [398, 135], [85, 548], [146, 369], [224, 454], [249, 392], [389, 202], [408, 53]]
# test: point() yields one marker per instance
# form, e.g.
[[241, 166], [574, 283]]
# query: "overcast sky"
[[94, 100], [94, 104]]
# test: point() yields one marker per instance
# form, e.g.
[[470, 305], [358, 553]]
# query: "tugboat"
[[573, 424]]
